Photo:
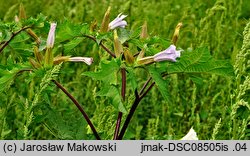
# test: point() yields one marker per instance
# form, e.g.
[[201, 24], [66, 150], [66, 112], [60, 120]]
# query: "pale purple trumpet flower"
[[118, 22], [87, 60], [169, 54], [51, 36]]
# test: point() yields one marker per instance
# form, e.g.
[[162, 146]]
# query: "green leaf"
[[137, 43], [9, 72], [113, 93], [7, 78], [72, 44], [67, 31], [124, 35], [197, 79], [131, 78], [161, 84], [156, 40], [127, 35], [200, 61], [6, 81], [101, 37], [107, 72], [56, 124], [108, 75], [22, 46], [35, 22]]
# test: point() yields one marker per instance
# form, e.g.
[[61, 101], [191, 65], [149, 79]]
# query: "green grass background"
[[209, 106]]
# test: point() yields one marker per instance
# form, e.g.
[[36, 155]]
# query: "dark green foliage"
[[200, 61]]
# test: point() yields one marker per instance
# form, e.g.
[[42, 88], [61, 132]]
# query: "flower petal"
[[118, 22], [169, 54], [87, 60], [121, 24], [51, 35], [123, 16]]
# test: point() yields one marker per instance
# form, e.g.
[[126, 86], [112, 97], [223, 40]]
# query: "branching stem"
[[12, 37], [145, 85], [138, 98], [102, 45]]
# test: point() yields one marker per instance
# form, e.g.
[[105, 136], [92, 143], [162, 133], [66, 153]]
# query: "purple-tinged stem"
[[79, 107], [12, 37], [138, 98], [123, 93], [102, 45]]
